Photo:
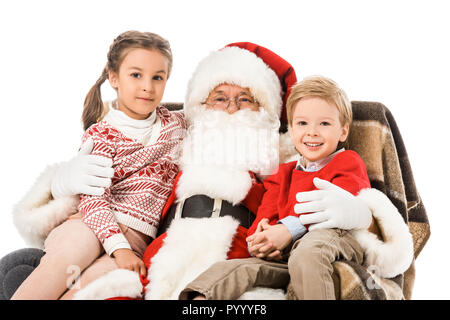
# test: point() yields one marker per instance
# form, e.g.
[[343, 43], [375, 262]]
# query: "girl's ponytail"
[[93, 103]]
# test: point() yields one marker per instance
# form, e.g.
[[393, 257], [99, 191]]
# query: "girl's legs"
[[69, 249], [98, 268], [101, 266]]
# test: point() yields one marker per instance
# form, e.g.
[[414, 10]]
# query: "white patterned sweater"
[[143, 178]]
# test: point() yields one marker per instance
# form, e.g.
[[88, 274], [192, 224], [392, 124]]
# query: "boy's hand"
[[258, 240], [259, 229], [279, 236], [127, 259], [269, 240]]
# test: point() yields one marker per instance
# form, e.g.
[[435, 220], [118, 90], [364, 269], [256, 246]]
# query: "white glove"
[[84, 173], [332, 207]]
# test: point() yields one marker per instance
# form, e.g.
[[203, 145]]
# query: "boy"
[[319, 118]]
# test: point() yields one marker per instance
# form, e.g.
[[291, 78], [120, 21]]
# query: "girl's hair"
[[323, 88], [93, 105]]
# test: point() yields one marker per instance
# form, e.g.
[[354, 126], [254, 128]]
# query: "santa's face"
[[231, 98], [244, 138]]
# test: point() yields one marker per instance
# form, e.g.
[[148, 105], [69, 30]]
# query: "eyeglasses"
[[223, 102]]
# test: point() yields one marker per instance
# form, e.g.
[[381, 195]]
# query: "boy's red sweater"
[[346, 170]]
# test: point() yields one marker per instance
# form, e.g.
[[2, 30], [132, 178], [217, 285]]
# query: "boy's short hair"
[[324, 88]]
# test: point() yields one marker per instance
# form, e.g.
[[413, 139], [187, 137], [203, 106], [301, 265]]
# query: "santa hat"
[[268, 77]]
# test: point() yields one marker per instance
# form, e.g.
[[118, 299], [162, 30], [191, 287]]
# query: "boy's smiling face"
[[316, 129]]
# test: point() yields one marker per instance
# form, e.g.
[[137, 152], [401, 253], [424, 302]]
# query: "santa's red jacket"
[[239, 245]]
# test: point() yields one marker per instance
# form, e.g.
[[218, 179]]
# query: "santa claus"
[[234, 107]]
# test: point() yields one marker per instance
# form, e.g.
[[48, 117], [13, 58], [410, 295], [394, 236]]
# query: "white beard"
[[220, 149]]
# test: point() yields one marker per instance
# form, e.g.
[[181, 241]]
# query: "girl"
[[141, 138]]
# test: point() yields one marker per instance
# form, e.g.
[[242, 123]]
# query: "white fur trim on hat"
[[237, 66]]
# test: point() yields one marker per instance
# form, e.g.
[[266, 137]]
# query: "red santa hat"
[[268, 77]]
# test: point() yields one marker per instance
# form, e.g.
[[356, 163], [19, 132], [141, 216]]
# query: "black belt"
[[201, 206]]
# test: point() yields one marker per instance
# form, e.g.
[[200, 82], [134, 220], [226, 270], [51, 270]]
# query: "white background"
[[394, 52]]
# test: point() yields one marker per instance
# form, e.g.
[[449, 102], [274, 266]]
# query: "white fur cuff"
[[117, 283], [190, 247], [394, 255], [37, 214]]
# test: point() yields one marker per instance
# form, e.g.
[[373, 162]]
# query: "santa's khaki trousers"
[[71, 250], [309, 268]]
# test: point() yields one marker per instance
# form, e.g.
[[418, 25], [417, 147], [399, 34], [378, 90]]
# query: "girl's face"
[[140, 82], [316, 129]]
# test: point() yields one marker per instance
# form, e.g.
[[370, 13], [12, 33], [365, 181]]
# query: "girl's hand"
[[127, 259]]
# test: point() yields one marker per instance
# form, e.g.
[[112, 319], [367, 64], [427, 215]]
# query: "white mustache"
[[244, 140]]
